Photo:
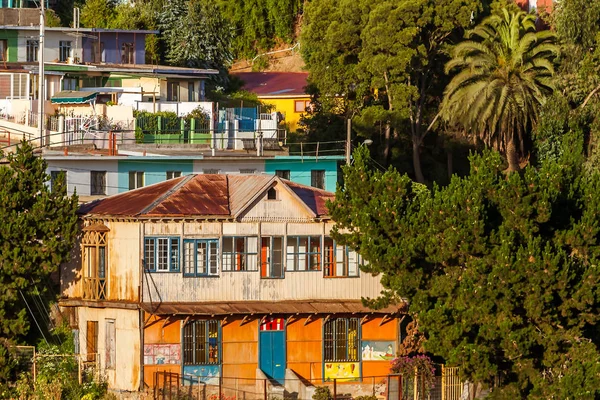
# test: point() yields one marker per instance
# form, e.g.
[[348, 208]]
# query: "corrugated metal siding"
[[239, 286]]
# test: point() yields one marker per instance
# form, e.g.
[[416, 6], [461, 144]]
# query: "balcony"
[[94, 288]]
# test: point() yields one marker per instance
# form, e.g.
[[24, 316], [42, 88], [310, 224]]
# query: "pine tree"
[[37, 233], [500, 272]]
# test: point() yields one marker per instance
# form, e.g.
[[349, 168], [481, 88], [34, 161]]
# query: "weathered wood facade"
[[217, 277]]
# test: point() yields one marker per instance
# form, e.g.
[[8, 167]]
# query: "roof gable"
[[274, 83], [206, 195]]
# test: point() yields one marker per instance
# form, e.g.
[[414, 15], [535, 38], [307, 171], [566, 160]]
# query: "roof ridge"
[[166, 195]]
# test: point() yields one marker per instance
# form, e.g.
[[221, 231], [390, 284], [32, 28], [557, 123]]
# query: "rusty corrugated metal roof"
[[201, 195], [314, 198], [129, 203], [267, 307]]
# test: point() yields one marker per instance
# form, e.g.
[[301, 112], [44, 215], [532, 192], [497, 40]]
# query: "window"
[[271, 257], [303, 253], [64, 50], [317, 178], [161, 254], [247, 171], [56, 176], [94, 262], [172, 91], [32, 50], [98, 182], [191, 93], [173, 174], [283, 173], [201, 342], [70, 83], [301, 105], [341, 337], [136, 179], [4, 49], [97, 52], [200, 257], [211, 171], [339, 261], [240, 254], [127, 53], [110, 359], [272, 194], [92, 340]]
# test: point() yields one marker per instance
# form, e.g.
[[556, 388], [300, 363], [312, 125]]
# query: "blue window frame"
[[200, 257], [162, 254]]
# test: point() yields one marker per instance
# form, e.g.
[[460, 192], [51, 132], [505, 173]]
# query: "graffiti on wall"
[[208, 374], [162, 354], [373, 350], [342, 371]]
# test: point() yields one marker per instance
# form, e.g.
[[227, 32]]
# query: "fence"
[[171, 385]]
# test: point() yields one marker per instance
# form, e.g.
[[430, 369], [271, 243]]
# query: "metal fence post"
[[334, 389], [264, 389]]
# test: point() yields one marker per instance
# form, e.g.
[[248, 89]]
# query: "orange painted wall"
[[305, 347], [240, 348], [372, 330], [158, 332]]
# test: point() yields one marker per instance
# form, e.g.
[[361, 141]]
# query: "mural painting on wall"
[[162, 354], [378, 350], [208, 374], [342, 371]]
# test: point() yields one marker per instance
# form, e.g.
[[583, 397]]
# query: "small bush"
[[322, 393]]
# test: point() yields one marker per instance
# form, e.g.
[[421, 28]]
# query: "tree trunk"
[[450, 162], [512, 156], [417, 162], [387, 144]]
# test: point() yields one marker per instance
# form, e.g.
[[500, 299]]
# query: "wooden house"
[[217, 277]]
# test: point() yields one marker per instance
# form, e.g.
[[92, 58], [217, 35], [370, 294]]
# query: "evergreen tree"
[[196, 35], [37, 234], [98, 13], [500, 272]]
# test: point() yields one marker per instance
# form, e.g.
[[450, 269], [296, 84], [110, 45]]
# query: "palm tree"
[[505, 70]]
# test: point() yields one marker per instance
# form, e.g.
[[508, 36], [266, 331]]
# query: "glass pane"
[[315, 253], [252, 254], [240, 261], [102, 262], [328, 257], [201, 258], [340, 260], [149, 253], [341, 339], [188, 257], [162, 262], [228, 254], [213, 342], [353, 262], [292, 249], [277, 258], [213, 258], [174, 254], [302, 253]]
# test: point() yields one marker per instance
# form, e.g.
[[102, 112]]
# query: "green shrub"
[[322, 393]]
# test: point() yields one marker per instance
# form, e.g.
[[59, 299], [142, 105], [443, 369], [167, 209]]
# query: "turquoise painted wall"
[[155, 170], [300, 168]]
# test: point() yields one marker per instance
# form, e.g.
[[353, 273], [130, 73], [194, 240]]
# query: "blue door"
[[272, 349]]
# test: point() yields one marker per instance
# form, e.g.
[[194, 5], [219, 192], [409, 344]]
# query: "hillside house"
[[217, 277]]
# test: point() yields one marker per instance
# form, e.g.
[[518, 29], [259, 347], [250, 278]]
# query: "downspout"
[[141, 311]]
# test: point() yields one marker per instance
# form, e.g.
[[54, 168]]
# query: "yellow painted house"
[[284, 90]]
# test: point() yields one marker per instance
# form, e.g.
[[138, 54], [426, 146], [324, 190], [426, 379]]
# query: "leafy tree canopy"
[[38, 230], [500, 272]]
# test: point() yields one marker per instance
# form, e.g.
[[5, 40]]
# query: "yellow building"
[[284, 90]]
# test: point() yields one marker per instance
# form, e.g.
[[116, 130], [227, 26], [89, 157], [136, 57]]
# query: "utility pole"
[[41, 74], [348, 141]]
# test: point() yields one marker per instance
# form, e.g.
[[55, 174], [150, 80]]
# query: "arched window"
[[94, 262]]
